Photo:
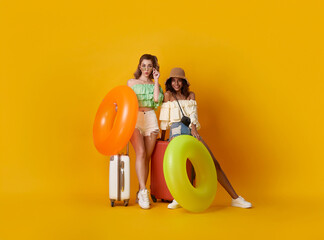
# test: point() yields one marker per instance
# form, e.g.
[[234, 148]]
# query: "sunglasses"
[[146, 67]]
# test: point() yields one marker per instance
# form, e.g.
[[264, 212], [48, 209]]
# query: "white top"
[[170, 113]]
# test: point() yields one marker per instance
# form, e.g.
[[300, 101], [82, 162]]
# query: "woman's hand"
[[194, 132], [156, 75]]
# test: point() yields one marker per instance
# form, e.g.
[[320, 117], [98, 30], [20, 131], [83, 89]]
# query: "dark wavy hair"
[[154, 60], [184, 90]]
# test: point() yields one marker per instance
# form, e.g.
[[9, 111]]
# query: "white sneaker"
[[174, 205], [240, 202], [143, 199]]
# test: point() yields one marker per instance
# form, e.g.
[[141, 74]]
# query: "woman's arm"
[[194, 131], [156, 76], [165, 115], [163, 135]]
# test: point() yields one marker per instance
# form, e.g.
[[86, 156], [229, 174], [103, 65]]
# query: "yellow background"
[[256, 68]]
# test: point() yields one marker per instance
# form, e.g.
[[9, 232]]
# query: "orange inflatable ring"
[[112, 129]]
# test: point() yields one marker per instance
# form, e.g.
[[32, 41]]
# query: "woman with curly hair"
[[179, 101]]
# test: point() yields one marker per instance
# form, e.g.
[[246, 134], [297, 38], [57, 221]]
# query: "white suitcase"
[[119, 178]]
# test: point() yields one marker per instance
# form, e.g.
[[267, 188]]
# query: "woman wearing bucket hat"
[[179, 101], [150, 96]]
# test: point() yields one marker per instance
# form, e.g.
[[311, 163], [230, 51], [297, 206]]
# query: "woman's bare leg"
[[137, 141], [221, 177], [149, 147]]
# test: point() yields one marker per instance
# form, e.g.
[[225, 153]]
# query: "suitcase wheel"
[[126, 203], [153, 198], [112, 203]]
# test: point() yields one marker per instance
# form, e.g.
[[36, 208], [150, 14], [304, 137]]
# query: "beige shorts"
[[147, 123]]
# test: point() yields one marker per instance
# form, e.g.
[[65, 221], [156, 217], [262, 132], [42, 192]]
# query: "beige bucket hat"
[[177, 72]]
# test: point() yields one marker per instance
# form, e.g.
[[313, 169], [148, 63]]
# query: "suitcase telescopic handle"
[[122, 180]]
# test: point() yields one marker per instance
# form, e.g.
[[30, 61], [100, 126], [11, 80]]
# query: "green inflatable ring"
[[194, 199]]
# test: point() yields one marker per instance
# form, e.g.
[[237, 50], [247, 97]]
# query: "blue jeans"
[[178, 129]]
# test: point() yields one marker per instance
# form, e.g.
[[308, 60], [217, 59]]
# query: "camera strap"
[[179, 105]]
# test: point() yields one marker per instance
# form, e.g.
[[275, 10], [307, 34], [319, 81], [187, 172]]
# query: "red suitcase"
[[159, 189]]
